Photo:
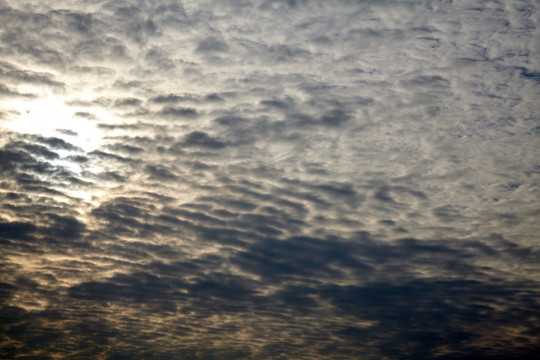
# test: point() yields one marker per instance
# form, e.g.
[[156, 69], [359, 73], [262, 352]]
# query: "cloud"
[[178, 112], [211, 45], [170, 98], [203, 140], [159, 172], [6, 91], [268, 179], [16, 75]]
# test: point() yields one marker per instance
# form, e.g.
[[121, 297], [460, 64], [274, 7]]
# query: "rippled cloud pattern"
[[269, 179]]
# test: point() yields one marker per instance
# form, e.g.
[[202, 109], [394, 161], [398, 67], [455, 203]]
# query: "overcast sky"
[[269, 179]]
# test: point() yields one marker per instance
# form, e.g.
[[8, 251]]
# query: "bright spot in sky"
[[50, 117]]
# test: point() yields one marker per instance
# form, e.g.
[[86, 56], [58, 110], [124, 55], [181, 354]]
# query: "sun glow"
[[50, 117]]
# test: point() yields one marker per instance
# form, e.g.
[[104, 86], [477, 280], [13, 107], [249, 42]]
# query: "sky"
[[269, 179]]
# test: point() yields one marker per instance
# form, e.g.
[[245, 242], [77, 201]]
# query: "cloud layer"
[[269, 179]]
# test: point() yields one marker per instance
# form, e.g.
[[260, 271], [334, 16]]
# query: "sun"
[[49, 116]]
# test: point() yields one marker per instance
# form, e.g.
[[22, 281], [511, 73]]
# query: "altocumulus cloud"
[[269, 179]]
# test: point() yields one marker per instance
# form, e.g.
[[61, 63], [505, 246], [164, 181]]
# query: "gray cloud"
[[211, 45], [178, 112]]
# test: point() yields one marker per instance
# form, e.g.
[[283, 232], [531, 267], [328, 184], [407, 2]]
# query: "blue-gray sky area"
[[269, 179]]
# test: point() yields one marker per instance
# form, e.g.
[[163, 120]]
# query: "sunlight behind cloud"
[[49, 116]]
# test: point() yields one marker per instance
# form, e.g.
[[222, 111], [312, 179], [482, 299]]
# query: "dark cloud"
[[211, 45], [17, 230], [77, 158], [127, 102], [170, 98], [57, 143], [126, 148], [178, 112], [109, 156], [213, 98], [16, 75], [275, 104], [428, 81], [159, 172], [203, 140], [6, 91], [85, 114]]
